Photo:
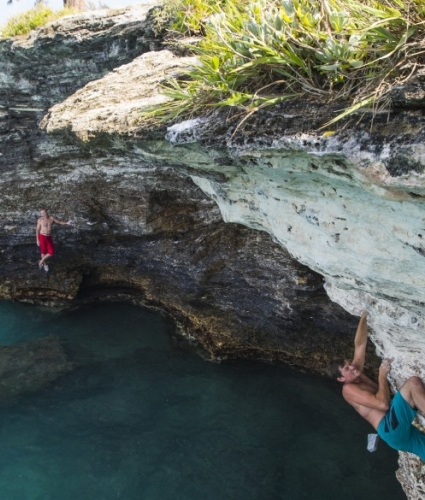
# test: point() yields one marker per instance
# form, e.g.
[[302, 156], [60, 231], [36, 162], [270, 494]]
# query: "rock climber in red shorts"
[[43, 235]]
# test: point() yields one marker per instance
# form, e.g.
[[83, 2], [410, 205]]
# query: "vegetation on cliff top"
[[256, 54], [40, 15]]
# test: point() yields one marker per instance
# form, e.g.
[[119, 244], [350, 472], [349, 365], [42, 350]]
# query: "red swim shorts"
[[46, 244]]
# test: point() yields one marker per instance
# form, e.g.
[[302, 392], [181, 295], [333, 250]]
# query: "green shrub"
[[256, 54], [188, 17], [31, 19]]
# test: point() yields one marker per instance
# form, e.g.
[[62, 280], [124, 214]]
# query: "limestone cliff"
[[143, 228], [232, 231]]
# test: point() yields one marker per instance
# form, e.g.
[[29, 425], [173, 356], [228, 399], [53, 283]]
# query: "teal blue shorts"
[[397, 431]]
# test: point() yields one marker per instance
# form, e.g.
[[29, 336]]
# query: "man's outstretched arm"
[[61, 222], [383, 394], [360, 342]]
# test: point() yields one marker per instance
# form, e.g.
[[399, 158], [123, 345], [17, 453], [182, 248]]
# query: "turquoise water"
[[144, 418]]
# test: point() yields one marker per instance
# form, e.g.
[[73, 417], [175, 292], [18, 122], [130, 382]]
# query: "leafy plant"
[[255, 54], [189, 17]]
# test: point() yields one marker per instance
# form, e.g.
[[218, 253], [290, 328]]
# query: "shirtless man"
[[391, 419], [43, 236]]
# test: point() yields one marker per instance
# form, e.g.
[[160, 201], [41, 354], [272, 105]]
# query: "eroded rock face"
[[152, 233], [234, 233], [142, 227]]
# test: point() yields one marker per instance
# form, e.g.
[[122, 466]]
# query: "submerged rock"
[[28, 366]]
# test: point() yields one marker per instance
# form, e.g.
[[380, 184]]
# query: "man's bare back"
[[357, 391]]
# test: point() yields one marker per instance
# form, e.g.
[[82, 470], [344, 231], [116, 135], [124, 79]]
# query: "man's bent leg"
[[43, 260], [47, 243], [396, 428], [413, 391]]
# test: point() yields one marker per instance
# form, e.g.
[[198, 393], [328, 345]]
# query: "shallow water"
[[143, 418]]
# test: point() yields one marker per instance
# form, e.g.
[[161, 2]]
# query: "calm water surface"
[[143, 418]]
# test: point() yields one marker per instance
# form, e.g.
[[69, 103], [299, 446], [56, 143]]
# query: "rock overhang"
[[347, 202]]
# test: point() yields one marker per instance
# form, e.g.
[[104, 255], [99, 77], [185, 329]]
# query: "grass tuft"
[[23, 23], [256, 54]]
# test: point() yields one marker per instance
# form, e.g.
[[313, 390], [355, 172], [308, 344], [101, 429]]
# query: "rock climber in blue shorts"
[[391, 419]]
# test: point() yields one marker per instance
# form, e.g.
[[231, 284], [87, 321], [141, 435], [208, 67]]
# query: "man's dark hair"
[[333, 368]]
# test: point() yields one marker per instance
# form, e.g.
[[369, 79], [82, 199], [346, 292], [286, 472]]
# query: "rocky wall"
[[264, 242], [142, 228]]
